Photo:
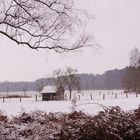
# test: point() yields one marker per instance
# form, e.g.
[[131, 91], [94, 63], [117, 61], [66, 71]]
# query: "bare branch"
[[42, 24]]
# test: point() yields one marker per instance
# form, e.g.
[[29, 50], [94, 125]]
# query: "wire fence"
[[83, 96]]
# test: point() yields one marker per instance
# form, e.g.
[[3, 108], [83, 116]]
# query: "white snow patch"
[[13, 107]]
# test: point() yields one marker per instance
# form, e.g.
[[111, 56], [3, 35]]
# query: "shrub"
[[110, 124]]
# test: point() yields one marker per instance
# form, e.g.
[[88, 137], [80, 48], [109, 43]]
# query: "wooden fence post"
[[126, 95], [79, 97], [116, 95], [36, 97], [20, 98], [3, 99], [91, 96], [136, 94], [103, 96]]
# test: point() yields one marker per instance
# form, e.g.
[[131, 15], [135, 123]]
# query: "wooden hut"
[[51, 93]]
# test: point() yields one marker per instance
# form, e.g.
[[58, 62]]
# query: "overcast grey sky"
[[116, 28]]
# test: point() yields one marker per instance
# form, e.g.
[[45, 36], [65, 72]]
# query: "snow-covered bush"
[[110, 124]]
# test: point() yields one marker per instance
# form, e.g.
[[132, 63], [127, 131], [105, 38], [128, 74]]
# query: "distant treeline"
[[112, 79]]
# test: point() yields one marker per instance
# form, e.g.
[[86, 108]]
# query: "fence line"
[[79, 96]]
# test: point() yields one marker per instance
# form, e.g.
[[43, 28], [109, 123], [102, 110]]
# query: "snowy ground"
[[87, 101]]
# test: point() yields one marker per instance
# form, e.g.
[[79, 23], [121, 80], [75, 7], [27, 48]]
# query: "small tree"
[[72, 81], [39, 85]]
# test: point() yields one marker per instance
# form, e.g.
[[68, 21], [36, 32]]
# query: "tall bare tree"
[[59, 78], [67, 79], [132, 75], [129, 79], [42, 24], [72, 81], [135, 58], [135, 64]]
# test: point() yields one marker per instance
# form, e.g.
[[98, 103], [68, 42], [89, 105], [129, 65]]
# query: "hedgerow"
[[110, 124]]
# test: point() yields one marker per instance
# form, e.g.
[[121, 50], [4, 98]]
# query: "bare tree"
[[43, 24], [39, 85], [135, 58], [128, 79], [135, 64], [59, 78], [132, 75], [71, 80]]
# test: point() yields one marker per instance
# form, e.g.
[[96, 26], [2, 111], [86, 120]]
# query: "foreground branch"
[[40, 24]]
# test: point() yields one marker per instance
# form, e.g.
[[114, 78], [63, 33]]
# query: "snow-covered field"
[[87, 101]]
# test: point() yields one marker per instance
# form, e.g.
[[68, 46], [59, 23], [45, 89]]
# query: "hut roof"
[[49, 89]]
